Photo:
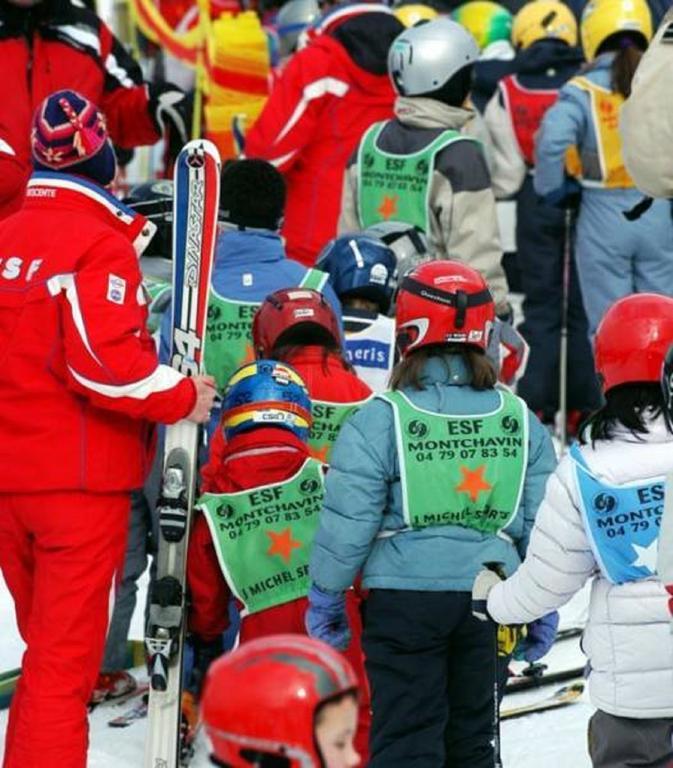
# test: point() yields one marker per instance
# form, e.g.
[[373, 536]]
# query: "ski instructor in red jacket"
[[80, 385], [46, 45], [327, 96]]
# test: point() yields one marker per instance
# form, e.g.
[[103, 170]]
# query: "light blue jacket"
[[249, 265], [363, 498], [567, 123]]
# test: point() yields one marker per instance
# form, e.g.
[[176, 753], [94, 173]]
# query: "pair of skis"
[[195, 207]]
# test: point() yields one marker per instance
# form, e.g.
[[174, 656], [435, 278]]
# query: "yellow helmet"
[[541, 19], [486, 21], [602, 18], [410, 15]]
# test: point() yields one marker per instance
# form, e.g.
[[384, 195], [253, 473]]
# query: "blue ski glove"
[[326, 618], [540, 638]]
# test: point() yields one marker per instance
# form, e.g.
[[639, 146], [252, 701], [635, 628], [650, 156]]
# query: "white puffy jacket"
[[627, 639]]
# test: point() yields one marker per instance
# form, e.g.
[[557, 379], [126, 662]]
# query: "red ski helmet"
[[632, 340], [443, 302], [287, 309], [263, 697]]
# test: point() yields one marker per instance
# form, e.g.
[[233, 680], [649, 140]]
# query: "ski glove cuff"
[[326, 618], [539, 639], [483, 584]]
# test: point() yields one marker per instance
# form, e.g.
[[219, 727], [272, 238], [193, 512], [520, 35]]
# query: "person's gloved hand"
[[483, 584], [539, 638], [171, 108], [567, 196], [326, 618], [508, 351]]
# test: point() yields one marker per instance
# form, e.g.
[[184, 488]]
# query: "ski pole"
[[565, 301], [496, 567]]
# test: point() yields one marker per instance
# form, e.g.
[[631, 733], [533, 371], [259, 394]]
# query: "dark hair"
[[625, 405], [252, 194], [408, 372], [629, 47], [293, 340]]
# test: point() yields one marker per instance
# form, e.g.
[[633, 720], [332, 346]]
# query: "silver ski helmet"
[[429, 59], [292, 19], [407, 242]]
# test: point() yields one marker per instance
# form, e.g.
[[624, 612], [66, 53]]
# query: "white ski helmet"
[[423, 59]]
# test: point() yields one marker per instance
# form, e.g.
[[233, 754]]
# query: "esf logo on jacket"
[[13, 267]]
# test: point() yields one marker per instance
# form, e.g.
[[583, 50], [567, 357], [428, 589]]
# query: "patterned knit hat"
[[69, 135]]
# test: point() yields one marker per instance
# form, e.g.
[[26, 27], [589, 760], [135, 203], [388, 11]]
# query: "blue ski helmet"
[[360, 266], [266, 394]]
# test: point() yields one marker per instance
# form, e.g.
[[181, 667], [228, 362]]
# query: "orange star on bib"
[[473, 482], [388, 207], [282, 544]]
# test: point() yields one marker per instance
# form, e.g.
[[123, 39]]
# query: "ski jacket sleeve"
[[209, 593], [558, 561], [292, 114], [356, 494], [464, 207], [563, 127], [349, 219], [110, 356], [125, 99], [508, 168], [647, 117], [541, 465], [13, 176]]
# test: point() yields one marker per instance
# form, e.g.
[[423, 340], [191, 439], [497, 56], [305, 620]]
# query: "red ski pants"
[[58, 555]]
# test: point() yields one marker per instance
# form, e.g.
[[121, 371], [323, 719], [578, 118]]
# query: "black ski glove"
[[171, 109]]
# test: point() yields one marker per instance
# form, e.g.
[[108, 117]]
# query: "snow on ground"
[[555, 739]]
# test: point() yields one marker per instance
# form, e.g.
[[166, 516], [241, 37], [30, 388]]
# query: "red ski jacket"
[[319, 108], [80, 379], [56, 45], [325, 378]]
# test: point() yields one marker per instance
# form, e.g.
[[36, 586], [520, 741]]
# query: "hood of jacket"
[[421, 112], [548, 54], [248, 246], [367, 37]]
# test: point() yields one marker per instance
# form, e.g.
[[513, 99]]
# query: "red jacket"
[[325, 378], [319, 108], [80, 379], [56, 45]]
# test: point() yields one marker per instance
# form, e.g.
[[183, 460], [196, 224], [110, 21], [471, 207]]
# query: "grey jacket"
[[463, 221]]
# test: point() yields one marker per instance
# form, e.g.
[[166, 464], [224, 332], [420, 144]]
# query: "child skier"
[[600, 520], [420, 168], [284, 701], [545, 34], [427, 482], [363, 271], [260, 510], [250, 263], [615, 257]]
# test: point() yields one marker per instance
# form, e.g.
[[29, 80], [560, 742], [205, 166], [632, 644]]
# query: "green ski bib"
[[461, 470], [397, 186], [229, 330], [327, 421], [263, 537]]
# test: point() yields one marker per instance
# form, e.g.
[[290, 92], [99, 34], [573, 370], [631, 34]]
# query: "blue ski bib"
[[622, 522]]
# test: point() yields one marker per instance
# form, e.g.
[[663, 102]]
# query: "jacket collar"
[[65, 190], [248, 247], [421, 112]]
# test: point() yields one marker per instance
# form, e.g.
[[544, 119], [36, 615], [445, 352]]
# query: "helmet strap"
[[461, 300]]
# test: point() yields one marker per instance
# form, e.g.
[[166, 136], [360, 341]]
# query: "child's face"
[[334, 732]]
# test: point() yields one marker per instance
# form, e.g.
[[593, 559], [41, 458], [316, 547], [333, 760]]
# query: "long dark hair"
[[630, 47], [628, 405], [409, 370]]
